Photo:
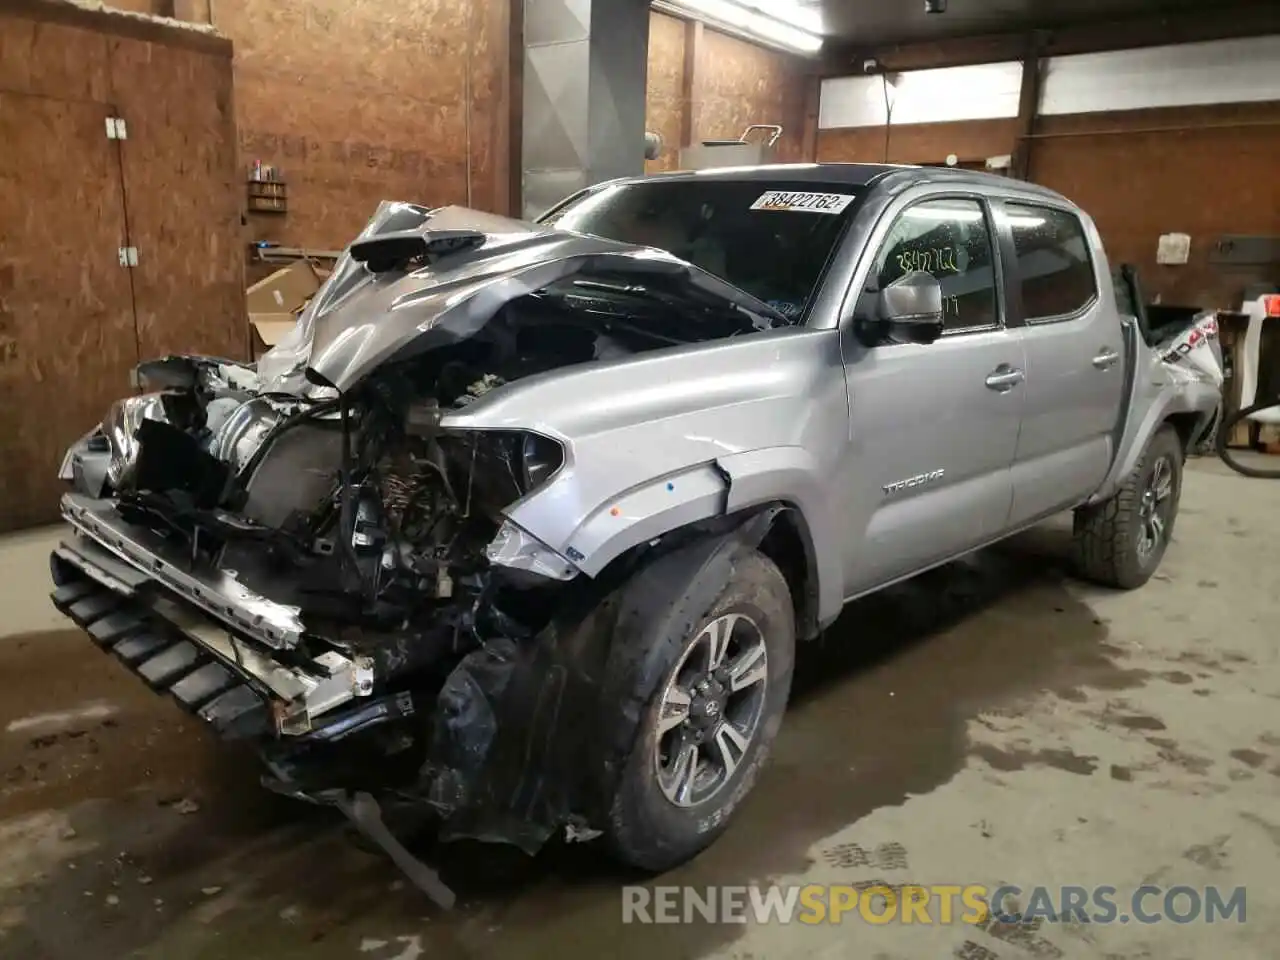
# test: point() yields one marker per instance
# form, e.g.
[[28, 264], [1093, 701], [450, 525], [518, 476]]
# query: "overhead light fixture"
[[807, 18], [760, 20]]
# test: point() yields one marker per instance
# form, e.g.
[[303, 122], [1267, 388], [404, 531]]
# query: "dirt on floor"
[[993, 721]]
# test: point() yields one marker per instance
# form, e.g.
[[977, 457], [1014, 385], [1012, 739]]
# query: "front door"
[[1075, 370], [933, 427]]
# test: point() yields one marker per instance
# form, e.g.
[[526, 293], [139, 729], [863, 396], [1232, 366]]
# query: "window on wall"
[[949, 239], [1055, 272]]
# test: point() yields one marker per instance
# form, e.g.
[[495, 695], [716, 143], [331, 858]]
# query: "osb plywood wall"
[[362, 101], [968, 140], [664, 89], [742, 84], [72, 320], [1188, 173], [738, 84]]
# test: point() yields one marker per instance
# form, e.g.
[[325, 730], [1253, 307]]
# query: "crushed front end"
[[307, 555], [331, 579], [316, 553]]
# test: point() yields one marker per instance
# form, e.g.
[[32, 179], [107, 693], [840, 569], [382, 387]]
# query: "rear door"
[[933, 427], [1074, 354]]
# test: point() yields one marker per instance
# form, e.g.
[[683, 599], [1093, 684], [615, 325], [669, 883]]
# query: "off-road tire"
[[1106, 534], [645, 830]]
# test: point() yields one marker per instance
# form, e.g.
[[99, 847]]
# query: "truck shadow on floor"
[[880, 710]]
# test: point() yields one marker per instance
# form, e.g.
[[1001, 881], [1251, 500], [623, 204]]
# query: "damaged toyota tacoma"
[[516, 533]]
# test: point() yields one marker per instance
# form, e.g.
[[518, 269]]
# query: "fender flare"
[[748, 493], [1173, 399]]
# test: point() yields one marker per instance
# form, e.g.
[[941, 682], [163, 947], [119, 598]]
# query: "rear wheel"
[[706, 724], [1120, 542]]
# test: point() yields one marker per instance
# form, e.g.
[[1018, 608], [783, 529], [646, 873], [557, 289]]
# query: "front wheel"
[[1120, 542], [706, 724]]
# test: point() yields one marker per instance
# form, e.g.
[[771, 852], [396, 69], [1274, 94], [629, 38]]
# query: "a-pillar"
[[584, 89]]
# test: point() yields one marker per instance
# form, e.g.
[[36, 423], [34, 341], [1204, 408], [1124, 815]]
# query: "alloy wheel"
[[710, 709], [1154, 508]]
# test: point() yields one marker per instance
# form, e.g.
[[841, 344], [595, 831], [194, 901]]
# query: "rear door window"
[[1055, 271]]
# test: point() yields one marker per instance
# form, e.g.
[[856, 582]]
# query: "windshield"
[[771, 239]]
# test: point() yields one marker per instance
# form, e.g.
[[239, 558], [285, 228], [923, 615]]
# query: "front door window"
[[949, 239]]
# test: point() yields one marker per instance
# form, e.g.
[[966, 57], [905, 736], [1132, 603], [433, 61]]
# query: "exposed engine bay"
[[359, 510], [384, 532], [356, 507], [323, 477]]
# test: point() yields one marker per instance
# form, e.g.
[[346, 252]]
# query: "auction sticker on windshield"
[[803, 202]]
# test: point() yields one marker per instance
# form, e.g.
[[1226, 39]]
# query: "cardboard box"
[[275, 302]]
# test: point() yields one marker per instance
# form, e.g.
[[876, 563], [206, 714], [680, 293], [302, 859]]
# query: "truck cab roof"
[[881, 176]]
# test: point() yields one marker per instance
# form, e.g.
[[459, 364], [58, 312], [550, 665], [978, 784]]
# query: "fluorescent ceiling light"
[[789, 11], [768, 28]]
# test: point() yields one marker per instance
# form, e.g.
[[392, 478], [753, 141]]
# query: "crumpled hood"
[[360, 317]]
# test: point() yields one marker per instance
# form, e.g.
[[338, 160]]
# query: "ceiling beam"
[[1028, 105], [1212, 23]]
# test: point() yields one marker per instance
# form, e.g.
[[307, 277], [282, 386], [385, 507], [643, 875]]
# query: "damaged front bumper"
[[228, 682], [219, 594], [500, 745]]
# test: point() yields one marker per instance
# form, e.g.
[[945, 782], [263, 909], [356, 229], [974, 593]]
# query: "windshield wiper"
[[765, 318]]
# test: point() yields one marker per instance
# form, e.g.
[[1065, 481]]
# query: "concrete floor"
[[991, 722]]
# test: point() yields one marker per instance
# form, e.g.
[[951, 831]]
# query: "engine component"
[[244, 431], [422, 419], [217, 412], [482, 386], [296, 476], [367, 535], [172, 460]]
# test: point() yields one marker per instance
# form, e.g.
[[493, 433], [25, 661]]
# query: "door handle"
[[1004, 377], [1106, 359]]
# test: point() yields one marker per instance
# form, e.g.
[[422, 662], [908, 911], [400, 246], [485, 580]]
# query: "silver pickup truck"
[[517, 532]]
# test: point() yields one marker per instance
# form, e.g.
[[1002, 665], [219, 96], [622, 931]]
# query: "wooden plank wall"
[[69, 331], [739, 84], [359, 102]]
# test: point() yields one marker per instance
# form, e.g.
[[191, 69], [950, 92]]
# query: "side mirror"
[[911, 308]]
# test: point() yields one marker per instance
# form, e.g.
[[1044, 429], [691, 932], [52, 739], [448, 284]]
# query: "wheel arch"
[[777, 529], [1187, 407], [1190, 425]]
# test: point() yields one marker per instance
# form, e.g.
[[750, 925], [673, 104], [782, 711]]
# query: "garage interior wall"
[[73, 320], [1175, 139], [359, 102], [736, 84], [364, 101]]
